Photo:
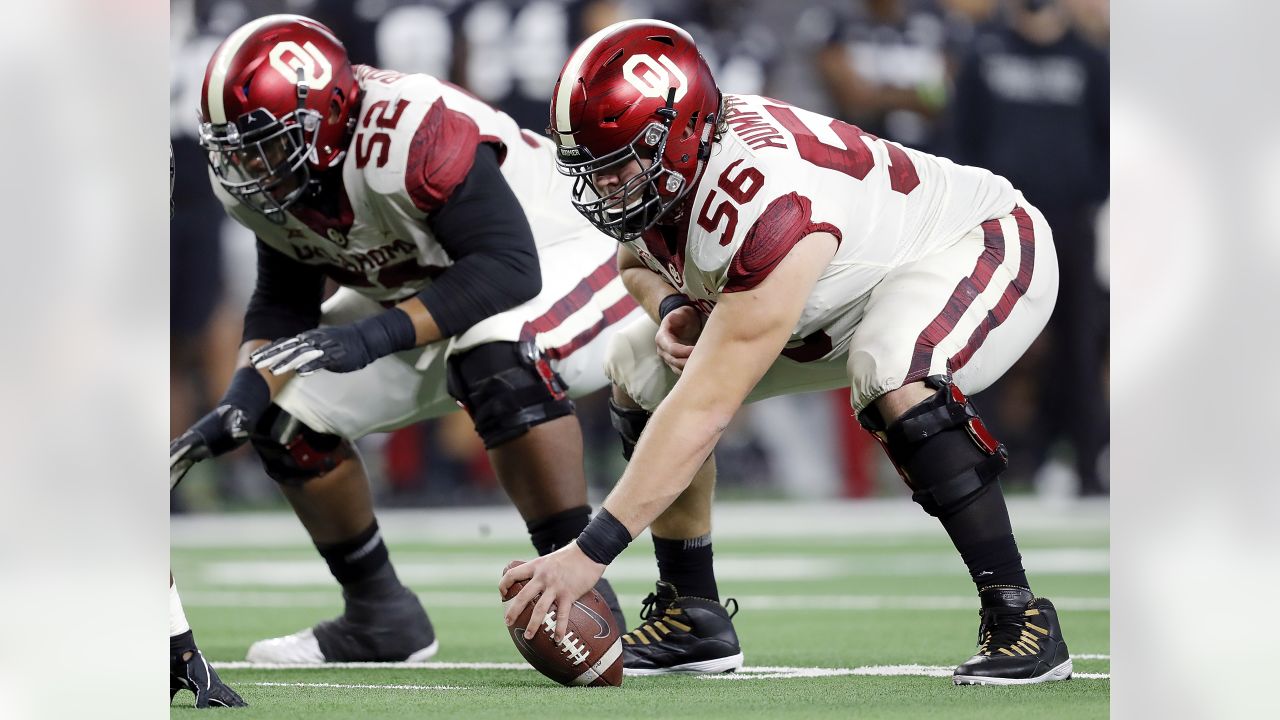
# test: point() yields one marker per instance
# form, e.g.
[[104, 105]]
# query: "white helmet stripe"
[[218, 71], [569, 78]]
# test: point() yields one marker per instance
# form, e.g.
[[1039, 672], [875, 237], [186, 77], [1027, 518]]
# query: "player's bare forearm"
[[647, 287], [741, 340], [425, 327]]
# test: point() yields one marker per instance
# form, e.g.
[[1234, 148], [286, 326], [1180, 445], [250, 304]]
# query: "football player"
[[465, 278], [188, 670], [778, 251]]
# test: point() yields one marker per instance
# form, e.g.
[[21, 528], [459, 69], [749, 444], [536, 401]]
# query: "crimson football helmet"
[[637, 90], [279, 100]]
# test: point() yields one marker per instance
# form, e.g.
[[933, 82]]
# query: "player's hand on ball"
[[677, 334], [553, 581], [340, 348], [195, 674], [220, 431]]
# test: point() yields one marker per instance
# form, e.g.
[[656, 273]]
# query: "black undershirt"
[[482, 228]]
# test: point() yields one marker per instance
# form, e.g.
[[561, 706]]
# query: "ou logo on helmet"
[[654, 79], [315, 67]]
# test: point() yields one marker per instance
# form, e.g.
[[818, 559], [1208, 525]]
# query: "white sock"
[[177, 618]]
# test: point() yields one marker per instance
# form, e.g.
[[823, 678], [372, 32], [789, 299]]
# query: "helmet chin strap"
[[704, 153]]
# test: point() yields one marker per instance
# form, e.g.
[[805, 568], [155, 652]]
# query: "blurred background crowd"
[[1017, 86]]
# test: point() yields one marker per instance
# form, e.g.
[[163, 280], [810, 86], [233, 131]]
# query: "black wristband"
[[604, 538], [671, 303], [388, 332], [249, 392]]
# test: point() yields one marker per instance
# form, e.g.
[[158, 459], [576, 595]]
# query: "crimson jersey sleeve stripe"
[[786, 221], [440, 156]]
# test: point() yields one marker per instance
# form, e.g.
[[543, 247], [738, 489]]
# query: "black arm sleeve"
[[286, 299], [495, 263]]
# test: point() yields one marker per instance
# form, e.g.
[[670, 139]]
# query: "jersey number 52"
[[383, 116]]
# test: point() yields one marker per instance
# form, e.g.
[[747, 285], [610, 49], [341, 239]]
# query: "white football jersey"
[[780, 173], [415, 141]]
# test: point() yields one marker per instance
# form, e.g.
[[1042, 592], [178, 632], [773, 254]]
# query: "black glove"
[[194, 673], [225, 428], [339, 348]]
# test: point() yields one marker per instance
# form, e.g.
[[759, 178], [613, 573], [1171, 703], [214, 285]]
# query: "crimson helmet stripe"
[[573, 68], [222, 62]]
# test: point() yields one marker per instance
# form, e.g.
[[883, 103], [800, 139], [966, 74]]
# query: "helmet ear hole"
[[688, 129]]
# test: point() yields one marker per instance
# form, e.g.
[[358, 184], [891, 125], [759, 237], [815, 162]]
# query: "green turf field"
[[835, 622]]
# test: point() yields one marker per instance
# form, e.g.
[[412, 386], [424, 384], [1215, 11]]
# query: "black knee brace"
[[293, 453], [629, 422], [507, 388], [941, 449]]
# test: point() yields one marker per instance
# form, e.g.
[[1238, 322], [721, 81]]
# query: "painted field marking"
[[760, 672], [776, 568], [358, 687], [268, 598], [775, 673], [245, 665]]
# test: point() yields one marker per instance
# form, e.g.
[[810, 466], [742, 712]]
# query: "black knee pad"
[[293, 453], [629, 422], [941, 449], [507, 388]]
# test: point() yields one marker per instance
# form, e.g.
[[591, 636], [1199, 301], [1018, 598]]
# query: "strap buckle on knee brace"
[[293, 453], [529, 350], [955, 412], [946, 410]]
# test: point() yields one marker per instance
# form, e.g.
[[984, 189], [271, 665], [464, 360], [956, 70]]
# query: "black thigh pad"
[[293, 453], [629, 422], [941, 448], [507, 388]]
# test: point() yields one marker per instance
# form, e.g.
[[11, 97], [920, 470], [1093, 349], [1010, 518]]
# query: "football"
[[591, 651]]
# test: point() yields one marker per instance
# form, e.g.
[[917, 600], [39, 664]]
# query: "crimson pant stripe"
[[575, 300], [611, 315], [967, 290], [1016, 289]]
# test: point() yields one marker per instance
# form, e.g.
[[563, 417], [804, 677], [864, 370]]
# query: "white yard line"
[[268, 598], [244, 665], [481, 569], [879, 518], [760, 672], [357, 687]]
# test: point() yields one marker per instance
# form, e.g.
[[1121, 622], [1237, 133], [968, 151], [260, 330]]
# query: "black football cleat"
[[611, 599], [190, 671], [682, 635], [1019, 641], [391, 629]]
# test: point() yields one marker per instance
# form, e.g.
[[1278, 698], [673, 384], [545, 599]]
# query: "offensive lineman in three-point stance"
[[465, 276], [777, 251]]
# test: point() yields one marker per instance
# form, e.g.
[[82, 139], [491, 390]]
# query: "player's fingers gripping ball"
[[590, 650]]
